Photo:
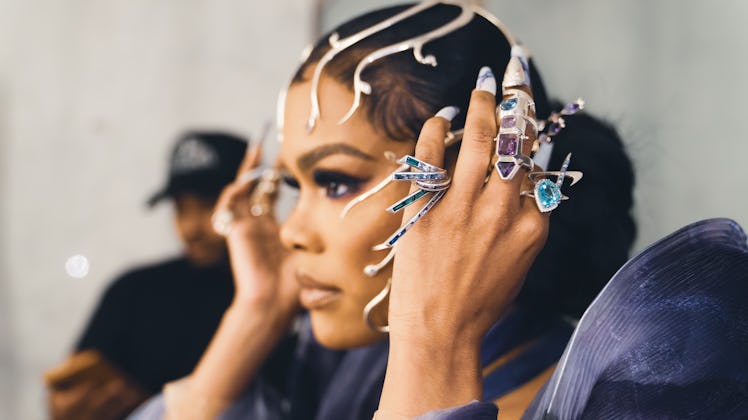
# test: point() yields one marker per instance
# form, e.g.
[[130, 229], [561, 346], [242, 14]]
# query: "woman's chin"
[[337, 334]]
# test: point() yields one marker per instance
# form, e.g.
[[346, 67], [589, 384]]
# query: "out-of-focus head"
[[192, 219], [201, 165], [334, 162]]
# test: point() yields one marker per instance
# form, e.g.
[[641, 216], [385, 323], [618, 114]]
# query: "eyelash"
[[332, 182]]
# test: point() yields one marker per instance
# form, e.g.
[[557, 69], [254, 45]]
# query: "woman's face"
[[332, 165]]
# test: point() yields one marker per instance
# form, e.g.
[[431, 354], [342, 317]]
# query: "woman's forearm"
[[424, 375], [241, 344]]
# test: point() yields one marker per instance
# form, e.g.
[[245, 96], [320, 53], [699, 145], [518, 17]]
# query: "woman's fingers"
[[478, 139], [251, 160], [234, 201], [262, 201], [430, 145], [517, 132]]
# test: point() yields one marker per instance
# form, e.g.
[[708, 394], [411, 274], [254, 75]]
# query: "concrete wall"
[[91, 96]]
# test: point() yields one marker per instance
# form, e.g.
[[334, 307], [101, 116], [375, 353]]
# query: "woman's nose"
[[299, 232]]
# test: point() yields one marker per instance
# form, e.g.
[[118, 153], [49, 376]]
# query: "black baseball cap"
[[202, 163]]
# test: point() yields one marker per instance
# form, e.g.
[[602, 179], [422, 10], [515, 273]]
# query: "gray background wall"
[[91, 94]]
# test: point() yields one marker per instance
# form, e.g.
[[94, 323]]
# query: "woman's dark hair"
[[405, 92], [590, 235]]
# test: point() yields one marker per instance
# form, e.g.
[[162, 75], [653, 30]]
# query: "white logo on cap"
[[193, 155]]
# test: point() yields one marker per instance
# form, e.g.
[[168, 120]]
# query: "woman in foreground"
[[351, 116]]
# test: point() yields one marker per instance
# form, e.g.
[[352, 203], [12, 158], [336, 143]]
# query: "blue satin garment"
[[666, 339]]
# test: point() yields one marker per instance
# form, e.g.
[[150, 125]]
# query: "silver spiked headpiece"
[[416, 44]]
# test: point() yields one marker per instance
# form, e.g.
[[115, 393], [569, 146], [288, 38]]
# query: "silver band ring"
[[222, 220]]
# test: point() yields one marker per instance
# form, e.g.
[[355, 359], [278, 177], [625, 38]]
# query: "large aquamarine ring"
[[547, 193]]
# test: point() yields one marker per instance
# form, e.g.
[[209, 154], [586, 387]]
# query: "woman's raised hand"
[[460, 267], [265, 299], [244, 214]]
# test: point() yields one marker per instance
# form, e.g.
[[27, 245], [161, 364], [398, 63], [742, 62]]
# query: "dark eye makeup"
[[336, 184]]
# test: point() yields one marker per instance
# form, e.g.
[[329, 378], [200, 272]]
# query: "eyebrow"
[[308, 159]]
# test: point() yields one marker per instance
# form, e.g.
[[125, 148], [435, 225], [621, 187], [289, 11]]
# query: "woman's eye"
[[336, 184], [291, 182], [335, 190]]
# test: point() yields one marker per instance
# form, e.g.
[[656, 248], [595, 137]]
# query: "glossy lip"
[[315, 294]]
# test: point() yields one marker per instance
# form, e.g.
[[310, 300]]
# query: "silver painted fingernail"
[[515, 75], [448, 113], [486, 80]]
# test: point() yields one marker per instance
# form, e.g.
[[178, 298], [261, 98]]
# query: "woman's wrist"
[[432, 330], [183, 403], [246, 336], [444, 372]]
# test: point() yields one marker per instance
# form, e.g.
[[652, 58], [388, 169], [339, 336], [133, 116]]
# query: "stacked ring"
[[429, 179], [261, 201], [547, 194], [515, 114]]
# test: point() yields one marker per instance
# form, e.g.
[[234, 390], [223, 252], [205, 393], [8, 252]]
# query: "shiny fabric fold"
[[666, 338]]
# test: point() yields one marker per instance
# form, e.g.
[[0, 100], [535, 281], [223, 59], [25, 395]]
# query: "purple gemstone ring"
[[507, 166], [514, 119], [517, 122]]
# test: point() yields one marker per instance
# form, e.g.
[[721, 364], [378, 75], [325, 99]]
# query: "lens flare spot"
[[77, 266]]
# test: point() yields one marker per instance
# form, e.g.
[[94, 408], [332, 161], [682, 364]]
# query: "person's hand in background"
[[87, 386]]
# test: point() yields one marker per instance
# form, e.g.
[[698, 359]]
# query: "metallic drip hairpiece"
[[372, 191], [379, 298], [360, 87], [280, 105], [495, 22], [416, 44]]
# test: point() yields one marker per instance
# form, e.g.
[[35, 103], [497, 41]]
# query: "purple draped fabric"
[[666, 339]]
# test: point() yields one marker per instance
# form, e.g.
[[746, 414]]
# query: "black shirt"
[[155, 322]]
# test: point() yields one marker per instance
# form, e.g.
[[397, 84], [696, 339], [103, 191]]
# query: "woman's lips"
[[312, 298], [315, 295]]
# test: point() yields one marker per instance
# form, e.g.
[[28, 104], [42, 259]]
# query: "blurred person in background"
[[153, 323]]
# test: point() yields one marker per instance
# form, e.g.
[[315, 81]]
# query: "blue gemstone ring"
[[547, 193], [514, 114], [418, 164], [518, 103], [431, 180]]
